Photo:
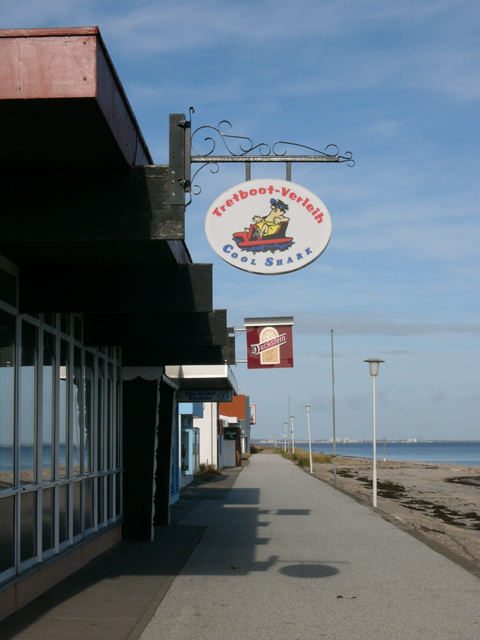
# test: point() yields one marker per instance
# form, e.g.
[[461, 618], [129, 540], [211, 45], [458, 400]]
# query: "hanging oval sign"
[[268, 227]]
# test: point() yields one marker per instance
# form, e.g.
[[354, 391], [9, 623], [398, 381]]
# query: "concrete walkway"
[[116, 595], [267, 553], [288, 557]]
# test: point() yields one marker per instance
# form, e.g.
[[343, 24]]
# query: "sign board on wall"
[[253, 414], [230, 433], [268, 226], [204, 396], [269, 343]]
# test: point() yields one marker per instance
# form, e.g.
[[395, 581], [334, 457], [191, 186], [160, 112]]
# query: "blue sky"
[[397, 84]]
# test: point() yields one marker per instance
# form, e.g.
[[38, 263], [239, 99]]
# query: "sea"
[[461, 452]]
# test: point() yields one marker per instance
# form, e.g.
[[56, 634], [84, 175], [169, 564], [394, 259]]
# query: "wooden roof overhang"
[[90, 221]]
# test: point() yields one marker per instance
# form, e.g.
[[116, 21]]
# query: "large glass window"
[[7, 398], [28, 403], [60, 436]]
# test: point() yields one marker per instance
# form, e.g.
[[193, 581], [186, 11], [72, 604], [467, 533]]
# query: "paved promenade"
[[267, 553], [288, 557]]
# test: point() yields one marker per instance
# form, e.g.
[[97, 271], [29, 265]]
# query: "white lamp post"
[[374, 364], [307, 409], [293, 437], [285, 436]]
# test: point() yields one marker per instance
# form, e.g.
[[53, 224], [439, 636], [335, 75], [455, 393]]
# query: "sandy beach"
[[438, 503]]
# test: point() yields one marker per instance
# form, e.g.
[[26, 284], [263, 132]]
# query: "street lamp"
[[374, 364], [307, 409], [285, 436], [293, 437]]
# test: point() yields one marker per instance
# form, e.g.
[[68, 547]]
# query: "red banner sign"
[[269, 344]]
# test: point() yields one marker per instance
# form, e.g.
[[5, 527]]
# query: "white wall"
[[208, 434]]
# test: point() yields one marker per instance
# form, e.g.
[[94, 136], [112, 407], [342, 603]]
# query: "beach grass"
[[302, 457]]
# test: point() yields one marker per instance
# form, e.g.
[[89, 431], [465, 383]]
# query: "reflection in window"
[[63, 512], [48, 519], [28, 403], [48, 404], [88, 462], [28, 525], [7, 391], [89, 503], [100, 498], [77, 508], [76, 434], [63, 413]]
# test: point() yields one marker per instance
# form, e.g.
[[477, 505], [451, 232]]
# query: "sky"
[[398, 85]]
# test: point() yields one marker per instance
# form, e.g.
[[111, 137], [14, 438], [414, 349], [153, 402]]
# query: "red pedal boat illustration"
[[268, 233], [252, 239]]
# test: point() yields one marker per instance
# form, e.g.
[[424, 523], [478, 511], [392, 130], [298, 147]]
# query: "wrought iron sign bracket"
[[241, 149]]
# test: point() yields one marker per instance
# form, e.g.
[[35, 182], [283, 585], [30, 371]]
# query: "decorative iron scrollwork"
[[242, 149]]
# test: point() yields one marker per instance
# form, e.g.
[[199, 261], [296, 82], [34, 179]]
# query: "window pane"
[[110, 419], [89, 412], [100, 414], [28, 403], [65, 322], [118, 491], [77, 508], [63, 412], [7, 511], [28, 525], [100, 495], [89, 502], [48, 398], [77, 328], [50, 319], [8, 288], [48, 531], [77, 409], [110, 497], [63, 512], [7, 391]]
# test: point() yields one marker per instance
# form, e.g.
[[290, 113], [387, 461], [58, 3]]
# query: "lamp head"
[[307, 408], [374, 365]]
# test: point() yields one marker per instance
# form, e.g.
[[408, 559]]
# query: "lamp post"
[[307, 409], [285, 436], [374, 364], [293, 437]]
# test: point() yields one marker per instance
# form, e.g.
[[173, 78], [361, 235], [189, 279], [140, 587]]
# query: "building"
[[98, 294]]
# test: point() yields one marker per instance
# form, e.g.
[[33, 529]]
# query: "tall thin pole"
[[307, 409], [333, 415], [288, 421], [293, 436], [374, 448]]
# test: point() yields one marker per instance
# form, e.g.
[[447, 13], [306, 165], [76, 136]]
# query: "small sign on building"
[[230, 433], [269, 342]]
